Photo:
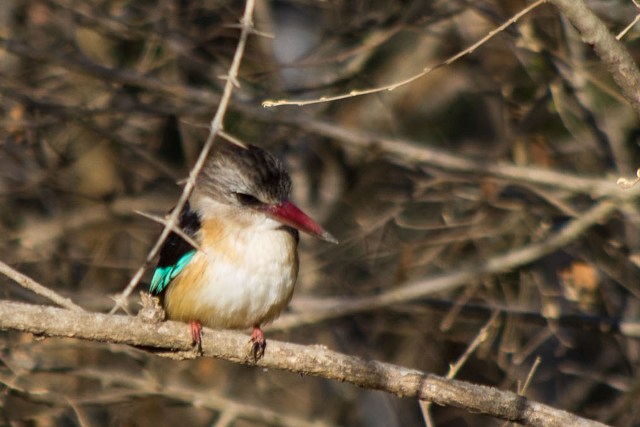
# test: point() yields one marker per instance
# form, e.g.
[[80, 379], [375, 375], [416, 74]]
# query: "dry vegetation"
[[477, 205]]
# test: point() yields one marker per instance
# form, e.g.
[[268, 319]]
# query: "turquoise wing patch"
[[164, 275]]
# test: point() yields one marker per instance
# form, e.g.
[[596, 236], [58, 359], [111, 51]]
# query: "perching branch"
[[305, 360]]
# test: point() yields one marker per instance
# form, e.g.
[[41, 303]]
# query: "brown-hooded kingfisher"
[[244, 271]]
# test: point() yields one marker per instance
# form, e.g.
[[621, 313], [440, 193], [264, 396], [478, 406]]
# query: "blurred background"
[[105, 105]]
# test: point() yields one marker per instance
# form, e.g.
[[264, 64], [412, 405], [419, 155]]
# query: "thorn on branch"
[[120, 303], [233, 79], [246, 22]]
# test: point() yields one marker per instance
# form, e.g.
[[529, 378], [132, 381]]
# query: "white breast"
[[247, 277]]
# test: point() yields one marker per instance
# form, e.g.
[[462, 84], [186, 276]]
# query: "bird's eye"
[[247, 199]]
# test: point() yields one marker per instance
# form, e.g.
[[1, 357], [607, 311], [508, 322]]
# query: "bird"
[[244, 268]]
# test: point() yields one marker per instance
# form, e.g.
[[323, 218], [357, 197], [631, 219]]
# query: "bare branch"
[[305, 360], [619, 62], [175, 229], [411, 152], [32, 285]]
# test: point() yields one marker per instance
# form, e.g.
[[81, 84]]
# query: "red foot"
[[259, 343], [196, 334]]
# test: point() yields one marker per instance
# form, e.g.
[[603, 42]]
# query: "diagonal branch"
[[613, 54], [419, 152], [305, 360], [28, 283]]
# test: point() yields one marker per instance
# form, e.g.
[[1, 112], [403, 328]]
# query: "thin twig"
[[532, 371], [622, 33], [37, 288], [232, 139], [424, 72], [522, 390], [455, 367], [175, 229]]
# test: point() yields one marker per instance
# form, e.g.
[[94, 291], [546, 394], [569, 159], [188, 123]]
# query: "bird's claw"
[[196, 335], [258, 343]]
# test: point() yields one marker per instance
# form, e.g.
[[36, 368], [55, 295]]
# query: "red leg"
[[259, 343], [196, 334]]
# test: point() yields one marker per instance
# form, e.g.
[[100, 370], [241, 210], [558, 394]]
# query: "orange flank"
[[181, 300]]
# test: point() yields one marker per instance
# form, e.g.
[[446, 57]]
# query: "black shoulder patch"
[[175, 246]]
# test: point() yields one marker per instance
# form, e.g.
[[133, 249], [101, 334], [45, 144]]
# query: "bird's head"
[[250, 179]]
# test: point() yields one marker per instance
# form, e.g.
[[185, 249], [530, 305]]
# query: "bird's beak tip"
[[328, 237]]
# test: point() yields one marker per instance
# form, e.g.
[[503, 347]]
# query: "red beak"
[[289, 214]]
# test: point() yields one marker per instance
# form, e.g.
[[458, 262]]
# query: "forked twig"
[[455, 367]]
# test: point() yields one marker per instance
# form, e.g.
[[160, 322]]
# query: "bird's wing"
[[176, 252], [162, 276]]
